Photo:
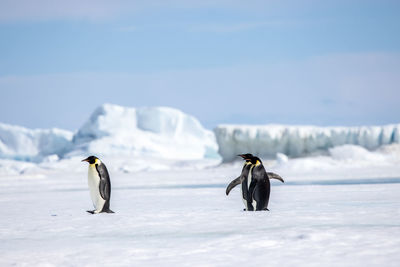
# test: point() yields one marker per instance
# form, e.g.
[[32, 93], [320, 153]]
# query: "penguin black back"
[[105, 185], [260, 186]]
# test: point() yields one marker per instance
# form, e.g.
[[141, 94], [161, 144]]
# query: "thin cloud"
[[43, 10], [127, 29], [354, 88], [239, 26]]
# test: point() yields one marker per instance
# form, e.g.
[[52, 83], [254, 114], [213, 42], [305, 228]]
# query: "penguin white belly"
[[94, 182], [254, 204]]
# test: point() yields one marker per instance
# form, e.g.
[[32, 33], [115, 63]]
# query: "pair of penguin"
[[256, 187]]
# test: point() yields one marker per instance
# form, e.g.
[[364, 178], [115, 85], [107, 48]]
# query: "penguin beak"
[[85, 160], [242, 155]]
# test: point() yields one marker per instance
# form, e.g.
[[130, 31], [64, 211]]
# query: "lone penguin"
[[99, 185], [255, 183]]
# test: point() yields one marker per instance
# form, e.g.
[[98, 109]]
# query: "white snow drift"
[[32, 145], [295, 141], [159, 132]]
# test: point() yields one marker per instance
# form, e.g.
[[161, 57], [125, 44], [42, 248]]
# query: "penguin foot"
[[91, 211], [109, 211]]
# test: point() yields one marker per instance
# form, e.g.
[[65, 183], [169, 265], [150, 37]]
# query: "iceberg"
[[296, 141], [24, 144], [151, 132], [115, 132], [146, 134]]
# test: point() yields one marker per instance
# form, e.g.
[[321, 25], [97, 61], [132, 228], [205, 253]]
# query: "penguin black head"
[[246, 157], [91, 159], [250, 158], [254, 160]]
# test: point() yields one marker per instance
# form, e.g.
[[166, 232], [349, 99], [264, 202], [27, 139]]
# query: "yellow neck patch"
[[97, 161], [258, 163]]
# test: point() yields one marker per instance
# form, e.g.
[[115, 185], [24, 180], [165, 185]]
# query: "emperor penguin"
[[255, 183], [243, 179], [99, 185]]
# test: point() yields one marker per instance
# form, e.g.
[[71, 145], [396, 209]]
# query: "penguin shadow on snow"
[[255, 184]]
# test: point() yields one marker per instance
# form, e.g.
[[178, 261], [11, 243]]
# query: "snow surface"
[[341, 209], [295, 141]]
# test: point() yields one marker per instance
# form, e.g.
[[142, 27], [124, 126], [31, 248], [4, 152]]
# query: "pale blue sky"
[[255, 62]]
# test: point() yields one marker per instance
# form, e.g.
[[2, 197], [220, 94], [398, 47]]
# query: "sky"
[[240, 62]]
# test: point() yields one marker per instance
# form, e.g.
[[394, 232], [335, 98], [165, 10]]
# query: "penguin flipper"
[[272, 175], [104, 192], [104, 186], [234, 183]]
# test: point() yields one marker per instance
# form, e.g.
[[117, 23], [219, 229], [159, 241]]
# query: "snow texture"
[[320, 216], [295, 141]]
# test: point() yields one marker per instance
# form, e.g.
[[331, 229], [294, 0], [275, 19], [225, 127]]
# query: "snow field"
[[183, 218]]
